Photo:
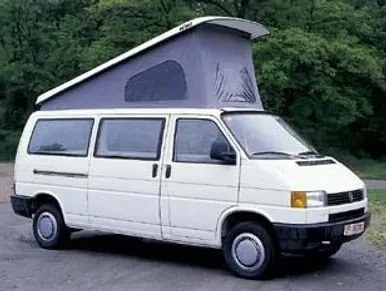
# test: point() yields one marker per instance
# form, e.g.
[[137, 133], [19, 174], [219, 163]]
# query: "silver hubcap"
[[47, 226], [248, 251]]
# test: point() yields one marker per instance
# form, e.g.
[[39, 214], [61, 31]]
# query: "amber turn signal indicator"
[[299, 199]]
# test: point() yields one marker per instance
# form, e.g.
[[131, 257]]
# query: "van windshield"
[[267, 136]]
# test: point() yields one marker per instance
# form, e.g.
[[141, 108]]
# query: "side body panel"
[[63, 177]]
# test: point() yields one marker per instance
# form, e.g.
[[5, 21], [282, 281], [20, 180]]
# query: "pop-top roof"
[[251, 29]]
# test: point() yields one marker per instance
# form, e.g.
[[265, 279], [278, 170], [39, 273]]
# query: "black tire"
[[323, 253], [246, 233], [49, 229]]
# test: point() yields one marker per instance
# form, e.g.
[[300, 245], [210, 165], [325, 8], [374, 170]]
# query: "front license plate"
[[355, 228]]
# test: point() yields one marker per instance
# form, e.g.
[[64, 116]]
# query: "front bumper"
[[22, 205], [295, 238]]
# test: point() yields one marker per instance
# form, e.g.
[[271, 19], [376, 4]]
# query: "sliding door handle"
[[168, 171], [154, 171]]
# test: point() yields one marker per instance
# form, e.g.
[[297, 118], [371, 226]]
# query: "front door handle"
[[154, 170], [168, 171]]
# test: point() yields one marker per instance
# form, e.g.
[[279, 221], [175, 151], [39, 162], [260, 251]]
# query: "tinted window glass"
[[194, 139], [61, 137], [130, 138], [165, 81]]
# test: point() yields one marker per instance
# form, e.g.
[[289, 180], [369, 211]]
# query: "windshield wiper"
[[309, 153], [275, 153]]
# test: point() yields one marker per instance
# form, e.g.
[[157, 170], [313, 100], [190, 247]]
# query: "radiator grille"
[[344, 197]]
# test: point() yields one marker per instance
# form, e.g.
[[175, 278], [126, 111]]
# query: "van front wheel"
[[249, 250], [49, 229]]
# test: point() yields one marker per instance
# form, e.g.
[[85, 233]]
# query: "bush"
[[8, 144]]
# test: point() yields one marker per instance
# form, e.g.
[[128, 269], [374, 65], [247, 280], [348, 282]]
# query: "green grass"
[[377, 231], [377, 195], [369, 169]]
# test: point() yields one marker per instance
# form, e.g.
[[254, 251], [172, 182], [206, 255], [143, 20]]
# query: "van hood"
[[300, 175]]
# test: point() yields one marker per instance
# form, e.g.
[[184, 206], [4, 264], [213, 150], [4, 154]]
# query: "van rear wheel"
[[49, 229], [249, 250]]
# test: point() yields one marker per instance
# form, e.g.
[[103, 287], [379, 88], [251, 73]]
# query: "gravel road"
[[375, 184], [6, 172]]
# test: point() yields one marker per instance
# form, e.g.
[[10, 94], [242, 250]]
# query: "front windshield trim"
[[290, 156]]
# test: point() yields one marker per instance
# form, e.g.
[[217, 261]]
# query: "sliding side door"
[[124, 179]]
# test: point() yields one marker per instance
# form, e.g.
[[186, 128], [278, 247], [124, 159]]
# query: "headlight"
[[308, 199], [365, 197]]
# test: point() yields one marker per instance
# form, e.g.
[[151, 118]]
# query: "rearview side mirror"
[[222, 151]]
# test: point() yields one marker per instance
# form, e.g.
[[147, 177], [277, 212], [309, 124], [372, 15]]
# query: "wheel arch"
[[42, 197], [231, 217]]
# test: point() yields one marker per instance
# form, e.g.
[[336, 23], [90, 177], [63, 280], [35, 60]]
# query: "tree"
[[323, 67], [325, 88]]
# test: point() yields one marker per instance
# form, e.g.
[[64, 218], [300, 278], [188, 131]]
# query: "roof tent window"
[[165, 81], [234, 85]]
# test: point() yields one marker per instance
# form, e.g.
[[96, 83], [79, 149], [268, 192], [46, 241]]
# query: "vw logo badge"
[[351, 196]]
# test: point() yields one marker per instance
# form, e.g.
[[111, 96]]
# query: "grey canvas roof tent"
[[203, 63]]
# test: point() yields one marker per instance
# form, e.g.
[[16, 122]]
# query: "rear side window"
[[132, 138], [67, 137]]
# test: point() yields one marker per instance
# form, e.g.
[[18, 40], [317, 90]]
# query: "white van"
[[240, 180]]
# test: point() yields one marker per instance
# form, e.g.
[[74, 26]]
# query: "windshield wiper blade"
[[309, 153], [275, 153]]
